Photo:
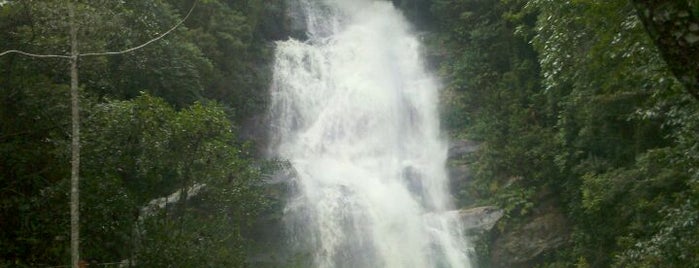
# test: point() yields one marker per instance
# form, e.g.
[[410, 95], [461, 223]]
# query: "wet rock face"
[[460, 157], [522, 245], [480, 219], [255, 129], [518, 242], [296, 21], [460, 148]]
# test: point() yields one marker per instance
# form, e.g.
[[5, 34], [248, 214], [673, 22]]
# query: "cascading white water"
[[355, 113]]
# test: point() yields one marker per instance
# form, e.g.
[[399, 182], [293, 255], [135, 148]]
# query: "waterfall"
[[355, 113]]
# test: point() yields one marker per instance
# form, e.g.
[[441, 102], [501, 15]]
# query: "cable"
[[109, 52]]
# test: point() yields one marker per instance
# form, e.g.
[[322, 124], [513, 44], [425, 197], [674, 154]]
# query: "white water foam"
[[355, 113]]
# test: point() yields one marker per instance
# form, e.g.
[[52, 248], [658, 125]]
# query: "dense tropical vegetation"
[[163, 121], [574, 103]]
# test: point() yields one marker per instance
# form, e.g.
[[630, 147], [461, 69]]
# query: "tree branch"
[[146, 43]]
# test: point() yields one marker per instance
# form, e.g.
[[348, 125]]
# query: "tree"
[[138, 152], [576, 106], [674, 26], [75, 115]]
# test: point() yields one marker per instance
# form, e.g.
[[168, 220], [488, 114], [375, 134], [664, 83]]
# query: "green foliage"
[[614, 141], [221, 52], [199, 81], [190, 242], [141, 150], [33, 138], [572, 101], [493, 89], [233, 36]]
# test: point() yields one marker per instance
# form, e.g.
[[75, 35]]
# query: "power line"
[[92, 264], [75, 140], [146, 43], [34, 55], [109, 52]]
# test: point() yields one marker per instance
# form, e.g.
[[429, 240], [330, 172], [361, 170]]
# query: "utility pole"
[[75, 115], [75, 142]]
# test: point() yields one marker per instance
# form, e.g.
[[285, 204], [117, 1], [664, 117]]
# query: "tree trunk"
[[674, 26], [75, 144]]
